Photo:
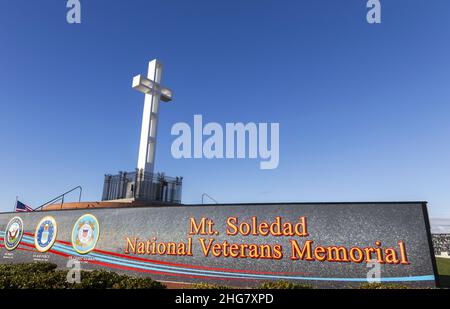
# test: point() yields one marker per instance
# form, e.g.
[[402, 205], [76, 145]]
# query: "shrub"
[[381, 286], [46, 276], [97, 279], [283, 285], [31, 276], [207, 286], [137, 283]]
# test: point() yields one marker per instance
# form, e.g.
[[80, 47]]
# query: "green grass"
[[443, 265]]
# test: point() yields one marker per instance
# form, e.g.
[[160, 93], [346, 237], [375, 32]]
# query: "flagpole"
[[15, 205]]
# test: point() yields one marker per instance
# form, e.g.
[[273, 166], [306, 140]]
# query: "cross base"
[[139, 186]]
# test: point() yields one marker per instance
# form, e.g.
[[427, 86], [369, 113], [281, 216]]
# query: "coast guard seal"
[[45, 234], [85, 234], [13, 233]]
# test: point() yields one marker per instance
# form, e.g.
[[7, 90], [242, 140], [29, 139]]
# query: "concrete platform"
[[105, 204]]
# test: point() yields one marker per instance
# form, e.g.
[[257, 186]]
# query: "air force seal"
[[45, 234], [13, 233], [85, 234]]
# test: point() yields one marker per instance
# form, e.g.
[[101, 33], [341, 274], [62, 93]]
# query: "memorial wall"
[[324, 245]]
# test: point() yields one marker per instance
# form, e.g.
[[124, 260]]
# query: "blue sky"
[[363, 109]]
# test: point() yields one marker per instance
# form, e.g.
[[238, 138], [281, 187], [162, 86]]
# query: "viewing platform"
[[106, 204], [142, 187]]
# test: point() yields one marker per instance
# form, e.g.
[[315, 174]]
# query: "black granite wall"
[[347, 225]]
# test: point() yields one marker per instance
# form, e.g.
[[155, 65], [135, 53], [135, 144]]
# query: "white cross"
[[153, 91]]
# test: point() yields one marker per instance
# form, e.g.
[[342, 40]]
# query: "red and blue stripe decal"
[[114, 260]]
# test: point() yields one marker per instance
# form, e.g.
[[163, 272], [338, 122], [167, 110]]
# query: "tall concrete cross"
[[154, 92]]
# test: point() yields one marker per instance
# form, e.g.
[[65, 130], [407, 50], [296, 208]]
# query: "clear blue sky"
[[364, 110]]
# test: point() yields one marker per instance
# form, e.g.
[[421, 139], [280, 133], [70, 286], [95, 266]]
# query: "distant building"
[[440, 230]]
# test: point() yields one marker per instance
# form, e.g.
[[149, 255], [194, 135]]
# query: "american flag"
[[21, 207]]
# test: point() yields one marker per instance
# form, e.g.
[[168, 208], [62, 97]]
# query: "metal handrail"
[[208, 196], [61, 197]]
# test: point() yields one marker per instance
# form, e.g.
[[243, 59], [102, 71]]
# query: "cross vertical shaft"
[[154, 92], [147, 148]]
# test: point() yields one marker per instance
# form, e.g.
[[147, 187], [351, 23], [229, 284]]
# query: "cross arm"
[[146, 85]]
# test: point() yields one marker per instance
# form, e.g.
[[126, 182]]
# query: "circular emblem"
[[45, 234], [13, 233], [85, 234]]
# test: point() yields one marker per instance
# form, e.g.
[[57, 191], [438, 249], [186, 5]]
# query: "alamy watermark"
[[74, 13], [374, 14], [374, 273], [74, 273], [235, 140]]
